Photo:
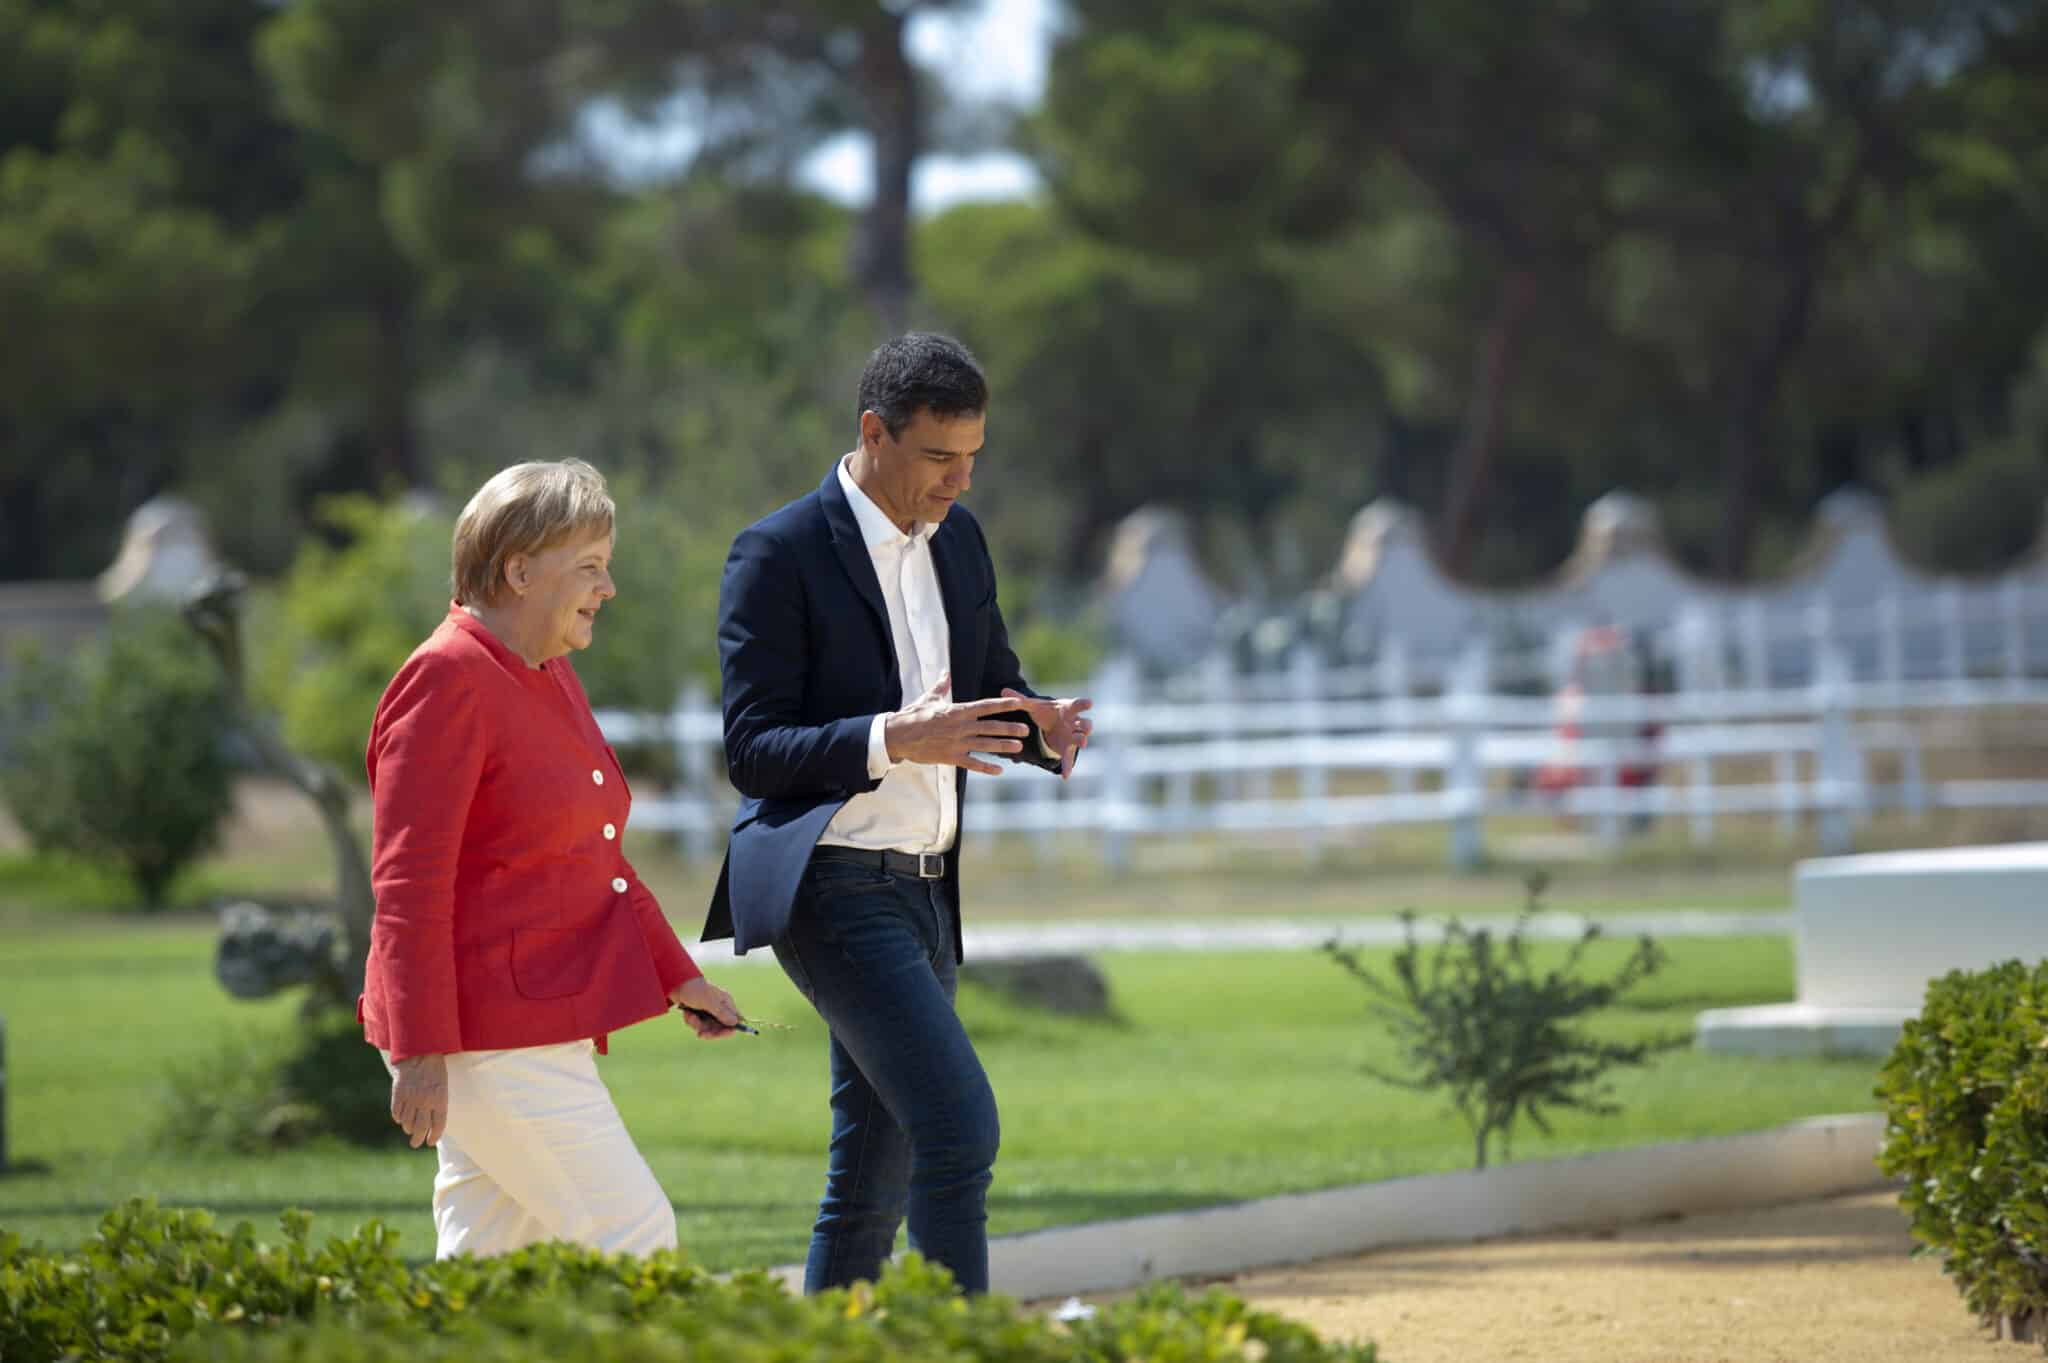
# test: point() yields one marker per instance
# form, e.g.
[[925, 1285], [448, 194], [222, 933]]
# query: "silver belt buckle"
[[931, 865]]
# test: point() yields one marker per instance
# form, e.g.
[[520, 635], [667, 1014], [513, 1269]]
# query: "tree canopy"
[[1291, 255]]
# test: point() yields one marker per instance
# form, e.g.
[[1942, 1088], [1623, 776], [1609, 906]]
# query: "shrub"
[[1966, 1100], [1976, 515], [345, 619], [1053, 654], [328, 641], [1478, 1020], [662, 630], [259, 1092], [156, 1284], [119, 752]]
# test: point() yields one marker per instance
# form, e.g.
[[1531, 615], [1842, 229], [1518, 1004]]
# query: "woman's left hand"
[[708, 1009]]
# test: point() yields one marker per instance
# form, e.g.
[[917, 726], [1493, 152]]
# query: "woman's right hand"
[[419, 1097], [708, 1009]]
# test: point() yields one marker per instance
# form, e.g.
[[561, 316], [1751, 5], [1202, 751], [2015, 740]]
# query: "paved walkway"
[[1299, 934]]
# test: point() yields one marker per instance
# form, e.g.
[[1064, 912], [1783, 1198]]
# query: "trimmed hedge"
[[157, 1284], [1966, 1097]]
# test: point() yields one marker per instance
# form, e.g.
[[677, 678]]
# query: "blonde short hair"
[[524, 509]]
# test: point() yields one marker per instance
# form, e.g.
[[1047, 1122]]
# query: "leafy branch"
[[1475, 1017]]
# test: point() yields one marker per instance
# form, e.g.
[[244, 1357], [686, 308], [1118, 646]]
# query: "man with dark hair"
[[865, 667]]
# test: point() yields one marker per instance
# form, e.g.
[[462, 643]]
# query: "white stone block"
[[1873, 930], [1799, 1029]]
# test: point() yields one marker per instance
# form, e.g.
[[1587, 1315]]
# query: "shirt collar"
[[496, 647], [877, 531]]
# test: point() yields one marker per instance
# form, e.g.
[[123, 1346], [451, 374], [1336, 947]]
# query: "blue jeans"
[[913, 1116]]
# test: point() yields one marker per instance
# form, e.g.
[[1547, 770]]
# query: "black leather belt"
[[923, 865]]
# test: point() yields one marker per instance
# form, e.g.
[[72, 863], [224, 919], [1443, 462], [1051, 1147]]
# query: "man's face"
[[922, 472]]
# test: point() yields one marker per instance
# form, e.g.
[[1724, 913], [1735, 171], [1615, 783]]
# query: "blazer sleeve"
[[671, 961], [1001, 669], [426, 757], [771, 751]]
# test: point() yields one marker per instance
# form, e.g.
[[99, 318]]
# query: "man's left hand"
[[1063, 724]]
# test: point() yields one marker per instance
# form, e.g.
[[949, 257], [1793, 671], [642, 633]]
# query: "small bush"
[[156, 1284], [1476, 1020], [1055, 654], [326, 644], [661, 631], [1974, 516], [258, 1093], [119, 752], [1965, 1094]]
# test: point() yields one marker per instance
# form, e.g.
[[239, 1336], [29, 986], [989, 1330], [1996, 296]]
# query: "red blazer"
[[507, 914]]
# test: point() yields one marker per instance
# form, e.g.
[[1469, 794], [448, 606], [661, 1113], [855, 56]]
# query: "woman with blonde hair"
[[511, 934]]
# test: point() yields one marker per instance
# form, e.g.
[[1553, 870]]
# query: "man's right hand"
[[934, 730]]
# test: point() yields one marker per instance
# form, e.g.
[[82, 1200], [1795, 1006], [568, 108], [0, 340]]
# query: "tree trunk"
[[216, 616], [1803, 249], [1472, 462], [881, 250], [354, 903], [21, 530], [1090, 519], [391, 385], [1755, 393], [1393, 471]]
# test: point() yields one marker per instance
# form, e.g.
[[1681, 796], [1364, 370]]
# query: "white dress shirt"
[[914, 809]]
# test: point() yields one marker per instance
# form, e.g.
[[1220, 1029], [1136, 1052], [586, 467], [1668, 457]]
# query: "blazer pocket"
[[550, 965]]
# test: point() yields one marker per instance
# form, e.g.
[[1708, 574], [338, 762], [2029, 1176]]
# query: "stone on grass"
[[263, 951], [1073, 985]]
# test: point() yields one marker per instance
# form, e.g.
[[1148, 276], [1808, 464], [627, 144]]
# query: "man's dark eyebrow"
[[950, 454]]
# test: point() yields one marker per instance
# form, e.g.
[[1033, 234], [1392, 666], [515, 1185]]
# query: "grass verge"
[[1225, 1077]]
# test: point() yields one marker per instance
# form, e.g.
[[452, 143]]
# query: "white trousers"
[[535, 1150]]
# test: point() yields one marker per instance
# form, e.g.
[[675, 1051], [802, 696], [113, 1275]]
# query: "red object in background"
[[1602, 665]]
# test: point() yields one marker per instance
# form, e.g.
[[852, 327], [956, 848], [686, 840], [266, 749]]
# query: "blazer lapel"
[[853, 551], [953, 591]]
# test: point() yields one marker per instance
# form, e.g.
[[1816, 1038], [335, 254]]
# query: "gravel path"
[[1816, 1282]]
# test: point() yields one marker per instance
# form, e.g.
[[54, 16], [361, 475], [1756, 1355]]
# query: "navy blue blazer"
[[807, 663]]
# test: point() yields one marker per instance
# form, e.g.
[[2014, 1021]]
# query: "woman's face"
[[564, 588]]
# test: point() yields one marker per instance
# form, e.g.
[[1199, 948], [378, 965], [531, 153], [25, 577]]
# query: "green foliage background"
[[119, 753], [269, 254]]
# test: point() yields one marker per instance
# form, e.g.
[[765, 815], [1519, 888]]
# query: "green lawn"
[[1226, 1078]]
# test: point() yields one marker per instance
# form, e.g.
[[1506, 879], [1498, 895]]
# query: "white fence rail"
[[1166, 764], [1960, 631]]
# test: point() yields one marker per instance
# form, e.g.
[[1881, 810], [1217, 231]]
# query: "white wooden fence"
[[1959, 631], [1286, 755]]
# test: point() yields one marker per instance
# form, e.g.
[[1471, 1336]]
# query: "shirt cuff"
[[879, 764]]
